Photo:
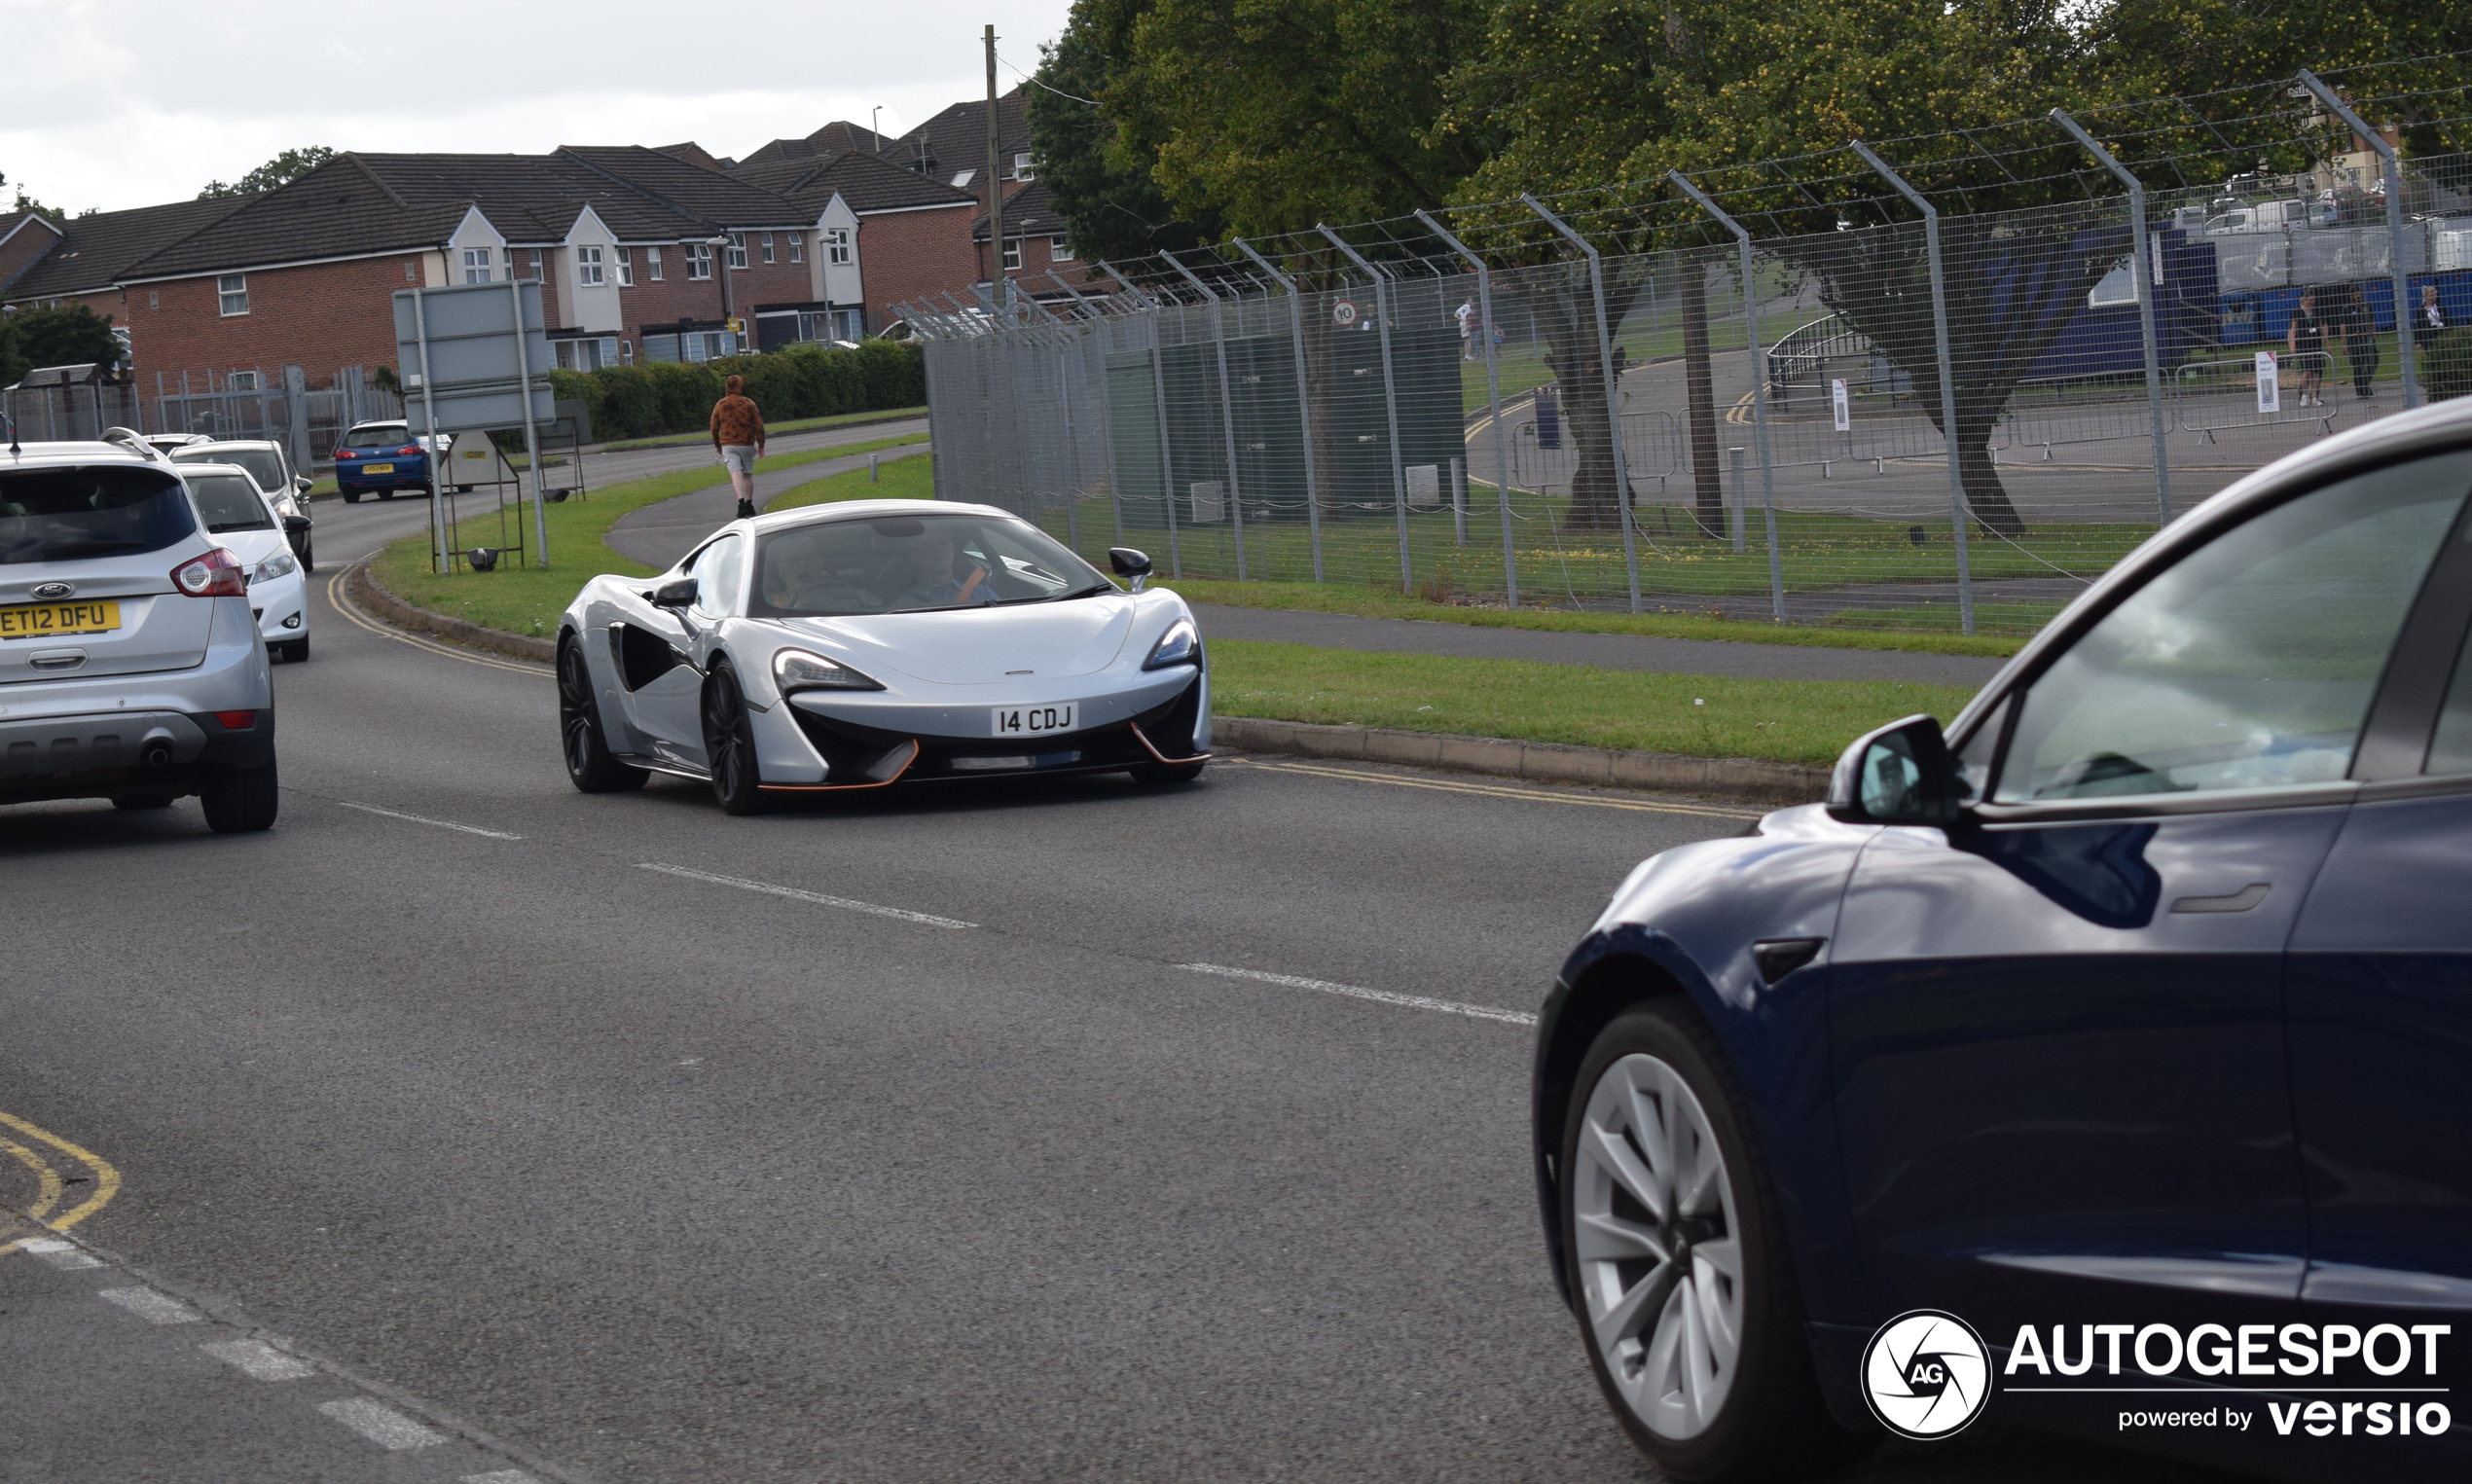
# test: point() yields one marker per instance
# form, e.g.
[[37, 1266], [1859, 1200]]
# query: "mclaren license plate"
[[378, 468], [1032, 720], [36, 619]]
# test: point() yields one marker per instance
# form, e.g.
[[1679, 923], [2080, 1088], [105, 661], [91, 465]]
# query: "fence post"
[[1304, 399], [2143, 275], [1158, 388], [1752, 346], [1613, 392], [1227, 406], [1493, 400], [2393, 168], [1390, 395], [1948, 382], [430, 416]]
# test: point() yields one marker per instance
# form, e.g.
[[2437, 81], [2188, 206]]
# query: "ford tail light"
[[216, 574]]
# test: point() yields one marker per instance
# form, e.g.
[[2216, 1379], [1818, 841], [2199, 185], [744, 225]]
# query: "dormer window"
[[1022, 168]]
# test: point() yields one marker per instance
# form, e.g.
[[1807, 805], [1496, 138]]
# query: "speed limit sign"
[[1343, 314]]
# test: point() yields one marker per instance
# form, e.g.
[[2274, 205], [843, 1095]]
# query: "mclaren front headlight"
[[1182, 644], [802, 670]]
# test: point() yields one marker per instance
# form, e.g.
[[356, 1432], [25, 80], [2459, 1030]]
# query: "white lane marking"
[[797, 895], [59, 1254], [152, 1307], [444, 825], [382, 1425], [501, 1476], [259, 1360], [1358, 992]]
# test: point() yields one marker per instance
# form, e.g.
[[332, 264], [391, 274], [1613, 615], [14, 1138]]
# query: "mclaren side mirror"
[[1129, 563], [676, 592], [1901, 774]]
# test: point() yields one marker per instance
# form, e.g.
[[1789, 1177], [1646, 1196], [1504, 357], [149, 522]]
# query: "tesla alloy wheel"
[[729, 744], [589, 765], [1685, 1285]]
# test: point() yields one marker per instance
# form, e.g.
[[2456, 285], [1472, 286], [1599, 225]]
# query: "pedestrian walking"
[[738, 436], [2305, 342], [2430, 319], [1466, 314]]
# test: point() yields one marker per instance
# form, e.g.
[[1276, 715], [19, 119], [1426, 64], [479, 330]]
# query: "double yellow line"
[[351, 612], [52, 1189]]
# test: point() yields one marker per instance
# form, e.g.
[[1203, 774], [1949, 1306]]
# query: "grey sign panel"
[[474, 372]]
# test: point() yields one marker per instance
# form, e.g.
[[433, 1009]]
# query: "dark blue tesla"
[[2131, 1012]]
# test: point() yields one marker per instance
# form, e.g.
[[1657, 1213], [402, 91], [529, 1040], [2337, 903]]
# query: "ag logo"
[[1926, 1374]]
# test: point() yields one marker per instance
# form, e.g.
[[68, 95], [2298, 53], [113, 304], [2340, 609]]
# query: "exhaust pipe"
[[155, 752]]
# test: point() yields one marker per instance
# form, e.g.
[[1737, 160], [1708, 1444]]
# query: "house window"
[[240, 381], [1059, 250], [408, 276], [652, 261], [768, 247], [588, 268], [476, 265], [795, 243], [699, 260], [1021, 169], [737, 249], [608, 350], [1014, 253], [536, 266], [836, 246], [153, 299], [626, 268], [231, 292]]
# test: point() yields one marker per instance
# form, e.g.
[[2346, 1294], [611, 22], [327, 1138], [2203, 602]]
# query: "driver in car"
[[943, 572]]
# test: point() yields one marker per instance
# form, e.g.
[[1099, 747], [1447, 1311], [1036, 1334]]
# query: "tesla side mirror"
[[296, 526], [1127, 562], [677, 593], [1901, 774]]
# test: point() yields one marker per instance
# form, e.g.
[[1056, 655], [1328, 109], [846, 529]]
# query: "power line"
[[1036, 83]]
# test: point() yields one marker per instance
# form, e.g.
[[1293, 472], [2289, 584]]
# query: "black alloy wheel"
[[590, 767], [729, 744]]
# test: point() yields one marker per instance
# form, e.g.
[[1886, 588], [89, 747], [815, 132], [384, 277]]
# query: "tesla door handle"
[[2242, 900]]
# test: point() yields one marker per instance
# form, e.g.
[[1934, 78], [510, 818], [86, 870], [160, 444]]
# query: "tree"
[[1277, 114], [1116, 209], [63, 334], [283, 169]]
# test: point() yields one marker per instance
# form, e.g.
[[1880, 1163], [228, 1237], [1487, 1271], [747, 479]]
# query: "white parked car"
[[874, 642], [267, 463], [241, 517]]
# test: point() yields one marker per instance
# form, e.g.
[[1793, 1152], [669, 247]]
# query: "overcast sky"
[[143, 101]]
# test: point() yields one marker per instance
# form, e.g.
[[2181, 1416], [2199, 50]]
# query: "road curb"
[[364, 589], [1743, 778]]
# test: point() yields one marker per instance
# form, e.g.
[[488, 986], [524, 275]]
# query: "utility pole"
[[994, 184]]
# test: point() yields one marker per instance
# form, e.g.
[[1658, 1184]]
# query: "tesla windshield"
[[909, 563]]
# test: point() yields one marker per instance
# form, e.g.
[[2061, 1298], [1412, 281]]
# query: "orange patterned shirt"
[[736, 423]]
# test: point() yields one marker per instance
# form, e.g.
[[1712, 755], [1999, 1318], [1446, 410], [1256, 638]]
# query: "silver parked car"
[[874, 642], [130, 667]]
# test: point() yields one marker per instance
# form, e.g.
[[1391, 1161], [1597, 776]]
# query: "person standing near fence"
[[2360, 328], [2305, 339], [1467, 315], [2430, 320], [738, 436]]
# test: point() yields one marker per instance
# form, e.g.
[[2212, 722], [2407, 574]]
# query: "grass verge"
[[528, 599], [800, 425], [1785, 721]]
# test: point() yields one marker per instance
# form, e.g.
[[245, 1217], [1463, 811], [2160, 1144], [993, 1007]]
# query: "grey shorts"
[[738, 459]]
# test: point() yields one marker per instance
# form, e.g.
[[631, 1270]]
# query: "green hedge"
[[2445, 366], [800, 381]]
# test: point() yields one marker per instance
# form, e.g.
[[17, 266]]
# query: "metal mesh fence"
[[1647, 430]]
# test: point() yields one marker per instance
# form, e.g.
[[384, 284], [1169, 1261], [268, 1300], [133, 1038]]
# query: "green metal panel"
[[1355, 474], [1261, 372], [1133, 424]]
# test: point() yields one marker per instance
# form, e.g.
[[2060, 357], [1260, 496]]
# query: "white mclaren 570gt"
[[874, 642]]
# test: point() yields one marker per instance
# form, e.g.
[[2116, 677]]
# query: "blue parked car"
[[381, 458], [2125, 1028]]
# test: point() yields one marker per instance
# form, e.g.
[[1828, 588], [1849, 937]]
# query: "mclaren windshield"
[[915, 564]]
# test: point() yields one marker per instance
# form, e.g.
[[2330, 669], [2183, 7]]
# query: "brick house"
[[890, 233], [82, 260], [1036, 245]]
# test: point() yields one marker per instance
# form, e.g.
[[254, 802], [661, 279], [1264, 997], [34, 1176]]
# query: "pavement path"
[[658, 535], [532, 1110]]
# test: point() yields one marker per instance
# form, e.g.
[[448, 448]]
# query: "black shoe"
[[746, 510]]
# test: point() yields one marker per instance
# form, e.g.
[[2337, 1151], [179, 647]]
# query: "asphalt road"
[[657, 1178]]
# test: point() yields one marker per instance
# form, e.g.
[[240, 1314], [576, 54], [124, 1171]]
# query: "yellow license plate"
[[378, 468], [39, 619]]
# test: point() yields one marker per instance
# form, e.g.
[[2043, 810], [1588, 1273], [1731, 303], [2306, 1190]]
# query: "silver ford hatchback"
[[131, 669]]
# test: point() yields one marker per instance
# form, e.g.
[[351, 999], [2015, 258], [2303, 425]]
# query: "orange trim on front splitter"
[[915, 750], [1173, 762]]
